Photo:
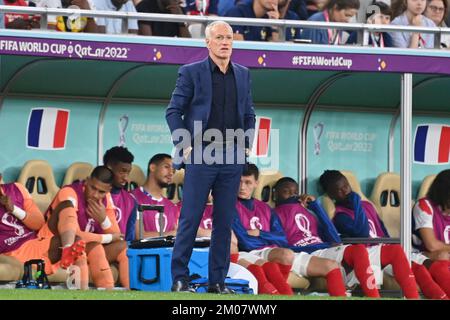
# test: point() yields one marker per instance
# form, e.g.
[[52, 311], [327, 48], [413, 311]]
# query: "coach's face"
[[220, 41]]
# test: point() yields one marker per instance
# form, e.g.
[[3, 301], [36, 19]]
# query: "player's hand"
[[274, 13], [117, 237], [96, 210], [6, 201], [187, 153], [305, 199], [253, 232], [417, 21]]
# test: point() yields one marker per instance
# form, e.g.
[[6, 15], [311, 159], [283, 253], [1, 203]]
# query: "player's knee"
[[121, 245], [359, 249], [91, 246], [286, 256], [398, 250], [442, 255], [330, 265]]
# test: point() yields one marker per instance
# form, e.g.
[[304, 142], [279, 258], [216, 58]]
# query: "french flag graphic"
[[262, 137], [432, 144], [47, 128]]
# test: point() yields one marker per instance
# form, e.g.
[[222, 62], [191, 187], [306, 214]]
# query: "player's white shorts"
[[248, 256], [337, 254], [260, 253], [302, 259], [299, 266], [418, 257]]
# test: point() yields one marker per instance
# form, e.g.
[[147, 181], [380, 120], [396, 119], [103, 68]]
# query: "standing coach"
[[215, 94]]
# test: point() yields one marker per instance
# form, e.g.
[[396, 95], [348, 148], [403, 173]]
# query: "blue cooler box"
[[150, 268]]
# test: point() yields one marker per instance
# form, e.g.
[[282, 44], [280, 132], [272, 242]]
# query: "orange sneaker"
[[71, 254]]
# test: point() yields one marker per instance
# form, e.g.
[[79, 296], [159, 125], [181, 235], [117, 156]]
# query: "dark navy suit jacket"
[[192, 98]]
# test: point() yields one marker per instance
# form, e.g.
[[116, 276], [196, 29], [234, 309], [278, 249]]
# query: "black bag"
[[155, 242], [163, 242]]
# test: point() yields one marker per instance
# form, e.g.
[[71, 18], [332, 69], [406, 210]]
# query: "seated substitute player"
[[313, 232], [84, 209], [24, 236], [120, 160], [159, 176], [358, 218], [431, 225], [258, 231], [270, 278]]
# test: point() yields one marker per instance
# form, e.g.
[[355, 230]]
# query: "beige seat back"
[[77, 171], [386, 197], [137, 178], [425, 186], [267, 180], [37, 176], [328, 204], [175, 189]]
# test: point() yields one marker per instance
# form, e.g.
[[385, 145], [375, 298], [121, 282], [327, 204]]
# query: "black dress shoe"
[[182, 286], [220, 289]]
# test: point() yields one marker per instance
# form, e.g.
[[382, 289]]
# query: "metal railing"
[[363, 29]]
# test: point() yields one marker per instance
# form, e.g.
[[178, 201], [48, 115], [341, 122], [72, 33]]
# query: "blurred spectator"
[[111, 25], [411, 15], [287, 14], [437, 10], [164, 29], [2, 17], [300, 8], [73, 23], [266, 9], [335, 11], [383, 16], [51, 19], [314, 6], [19, 20], [200, 8], [225, 5]]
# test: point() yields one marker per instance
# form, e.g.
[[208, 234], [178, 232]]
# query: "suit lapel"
[[238, 77], [205, 80]]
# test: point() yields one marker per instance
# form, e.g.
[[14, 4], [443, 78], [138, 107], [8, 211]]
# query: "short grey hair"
[[212, 25]]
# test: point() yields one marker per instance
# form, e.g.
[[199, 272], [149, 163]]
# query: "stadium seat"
[[425, 186], [77, 171], [386, 197], [328, 204], [388, 283], [267, 180], [137, 178], [175, 189], [37, 176]]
